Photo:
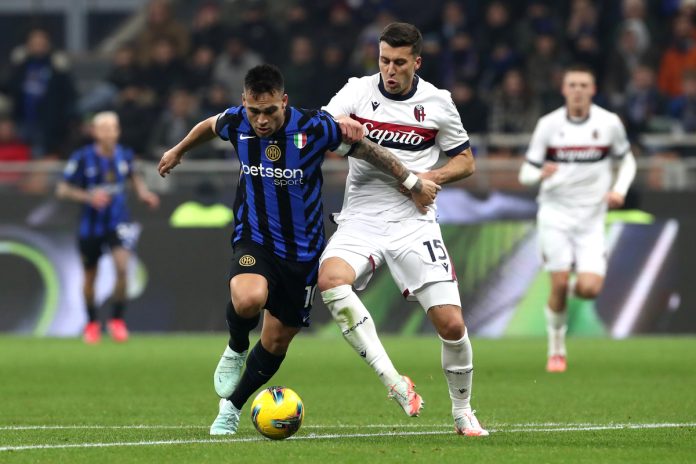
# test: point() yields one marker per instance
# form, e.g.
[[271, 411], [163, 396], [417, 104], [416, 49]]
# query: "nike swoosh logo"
[[244, 137]]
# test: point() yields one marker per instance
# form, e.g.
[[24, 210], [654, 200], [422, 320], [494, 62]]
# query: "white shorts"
[[566, 246], [413, 250]]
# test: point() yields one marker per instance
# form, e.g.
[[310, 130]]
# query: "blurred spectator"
[[125, 70], [513, 107], [165, 70], [302, 69], [298, 23], [542, 63], [496, 28], [432, 63], [502, 59], [232, 65], [631, 50], [333, 72], [643, 102], [340, 29], [453, 20], [207, 30], [12, 149], [173, 124], [680, 56], [259, 33], [461, 59], [683, 107], [366, 52], [160, 25], [582, 32], [137, 113], [199, 71], [538, 21], [43, 94], [215, 101], [472, 110]]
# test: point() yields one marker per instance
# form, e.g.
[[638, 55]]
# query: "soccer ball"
[[277, 412]]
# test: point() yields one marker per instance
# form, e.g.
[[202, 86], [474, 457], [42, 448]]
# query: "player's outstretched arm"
[[145, 195], [423, 191], [201, 133]]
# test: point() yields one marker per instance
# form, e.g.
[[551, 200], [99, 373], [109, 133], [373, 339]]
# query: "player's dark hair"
[[579, 67], [264, 78], [403, 35]]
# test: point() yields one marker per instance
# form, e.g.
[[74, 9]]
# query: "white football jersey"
[[582, 151], [416, 127]]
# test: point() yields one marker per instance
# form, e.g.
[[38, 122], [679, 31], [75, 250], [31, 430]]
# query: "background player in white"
[[570, 155], [378, 224]]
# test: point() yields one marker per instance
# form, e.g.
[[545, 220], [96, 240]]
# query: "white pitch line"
[[525, 425], [568, 428]]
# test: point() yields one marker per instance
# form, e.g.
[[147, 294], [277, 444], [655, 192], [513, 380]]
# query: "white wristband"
[[343, 148], [410, 181]]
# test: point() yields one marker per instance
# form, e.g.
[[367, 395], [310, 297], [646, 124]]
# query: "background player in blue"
[[96, 176], [279, 231]]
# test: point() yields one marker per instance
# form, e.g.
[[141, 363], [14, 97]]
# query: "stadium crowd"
[[501, 60]]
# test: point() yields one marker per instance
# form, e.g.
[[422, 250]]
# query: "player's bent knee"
[[451, 330], [588, 292], [249, 304]]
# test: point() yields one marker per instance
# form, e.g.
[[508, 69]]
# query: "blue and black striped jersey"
[[278, 203], [89, 170]]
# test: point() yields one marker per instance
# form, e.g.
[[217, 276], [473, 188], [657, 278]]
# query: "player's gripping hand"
[[548, 169], [615, 199], [351, 129], [423, 194], [170, 159], [99, 198]]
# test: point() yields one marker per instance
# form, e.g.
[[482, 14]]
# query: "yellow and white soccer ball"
[[277, 412]]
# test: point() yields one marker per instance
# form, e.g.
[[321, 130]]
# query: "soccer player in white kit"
[[570, 154], [379, 225]]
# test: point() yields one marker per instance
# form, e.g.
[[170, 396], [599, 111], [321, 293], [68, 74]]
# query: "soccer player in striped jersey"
[[278, 233], [570, 155], [96, 175]]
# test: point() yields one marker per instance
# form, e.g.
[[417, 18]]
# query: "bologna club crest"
[[419, 113]]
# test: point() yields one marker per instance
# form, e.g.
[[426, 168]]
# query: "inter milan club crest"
[[273, 152], [247, 260], [419, 113], [300, 140]]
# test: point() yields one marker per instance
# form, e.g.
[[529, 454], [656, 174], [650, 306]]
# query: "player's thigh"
[[90, 251], [252, 276], [419, 258], [357, 245], [290, 301], [121, 256], [590, 249], [556, 248]]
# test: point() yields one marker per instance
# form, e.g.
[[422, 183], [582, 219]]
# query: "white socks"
[[359, 331], [556, 327], [457, 364]]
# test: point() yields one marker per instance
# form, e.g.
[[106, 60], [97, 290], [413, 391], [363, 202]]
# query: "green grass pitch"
[[151, 400]]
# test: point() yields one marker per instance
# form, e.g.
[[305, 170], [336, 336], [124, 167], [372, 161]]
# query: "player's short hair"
[[579, 67], [264, 78], [403, 35], [102, 115]]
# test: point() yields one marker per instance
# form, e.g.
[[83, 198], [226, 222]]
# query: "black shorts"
[[291, 284], [91, 248]]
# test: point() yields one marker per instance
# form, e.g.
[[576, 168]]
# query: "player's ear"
[[419, 61], [285, 100]]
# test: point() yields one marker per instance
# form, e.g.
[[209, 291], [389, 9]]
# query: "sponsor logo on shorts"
[[273, 152], [247, 260]]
